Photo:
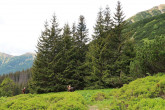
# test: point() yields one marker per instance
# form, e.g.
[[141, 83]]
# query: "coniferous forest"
[[113, 58], [119, 53], [65, 55]]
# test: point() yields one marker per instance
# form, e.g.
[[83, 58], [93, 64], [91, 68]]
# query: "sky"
[[21, 21]]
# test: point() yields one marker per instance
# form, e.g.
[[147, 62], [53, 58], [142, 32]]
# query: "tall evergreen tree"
[[42, 72], [97, 56], [99, 26], [110, 53], [119, 25], [81, 48], [55, 42], [108, 22], [39, 69], [71, 75], [122, 48], [96, 64], [74, 31], [82, 32]]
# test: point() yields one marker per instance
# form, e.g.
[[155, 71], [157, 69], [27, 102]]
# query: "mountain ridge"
[[156, 10], [10, 63]]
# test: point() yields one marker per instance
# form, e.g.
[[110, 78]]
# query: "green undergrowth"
[[142, 94], [50, 101], [100, 98], [78, 100]]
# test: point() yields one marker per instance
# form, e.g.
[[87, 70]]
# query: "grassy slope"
[[78, 100], [142, 94], [147, 29], [157, 10]]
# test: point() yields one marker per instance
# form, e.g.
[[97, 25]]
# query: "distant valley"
[[9, 63]]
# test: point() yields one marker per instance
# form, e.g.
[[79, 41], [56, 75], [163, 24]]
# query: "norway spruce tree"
[[47, 48], [110, 53], [118, 40], [108, 22], [99, 26], [39, 69], [97, 58], [64, 63], [122, 48], [81, 41]]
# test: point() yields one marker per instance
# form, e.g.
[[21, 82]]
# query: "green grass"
[[101, 98], [78, 100], [51, 101]]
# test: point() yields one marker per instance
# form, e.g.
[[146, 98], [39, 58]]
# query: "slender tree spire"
[[119, 15], [82, 31], [108, 22], [99, 26]]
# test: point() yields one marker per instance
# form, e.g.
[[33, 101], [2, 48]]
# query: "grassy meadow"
[[142, 94], [78, 100]]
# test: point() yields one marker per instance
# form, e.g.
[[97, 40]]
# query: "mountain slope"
[[157, 10], [147, 29], [10, 63]]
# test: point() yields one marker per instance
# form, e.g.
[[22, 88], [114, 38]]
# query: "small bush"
[[141, 94], [149, 104], [51, 101]]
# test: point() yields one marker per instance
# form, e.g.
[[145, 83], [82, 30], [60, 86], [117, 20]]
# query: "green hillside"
[[147, 29], [157, 10], [10, 63], [142, 94]]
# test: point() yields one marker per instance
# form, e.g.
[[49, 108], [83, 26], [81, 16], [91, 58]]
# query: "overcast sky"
[[21, 21]]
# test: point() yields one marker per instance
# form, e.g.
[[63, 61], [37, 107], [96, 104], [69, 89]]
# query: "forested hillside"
[[147, 29], [13, 83], [64, 57], [157, 10], [110, 60], [10, 63]]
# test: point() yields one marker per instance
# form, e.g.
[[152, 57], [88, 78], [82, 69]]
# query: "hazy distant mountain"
[[157, 10], [9, 63]]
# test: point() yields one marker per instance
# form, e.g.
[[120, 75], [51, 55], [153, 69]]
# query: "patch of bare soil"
[[94, 107]]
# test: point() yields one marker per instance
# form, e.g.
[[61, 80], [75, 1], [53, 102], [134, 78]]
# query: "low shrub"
[[51, 101], [134, 96], [149, 104]]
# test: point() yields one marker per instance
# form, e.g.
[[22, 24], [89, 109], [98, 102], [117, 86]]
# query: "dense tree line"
[[65, 57], [60, 57], [150, 58], [13, 83]]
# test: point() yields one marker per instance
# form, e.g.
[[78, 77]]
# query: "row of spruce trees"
[[12, 84], [65, 56]]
